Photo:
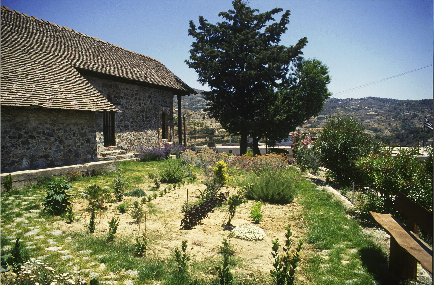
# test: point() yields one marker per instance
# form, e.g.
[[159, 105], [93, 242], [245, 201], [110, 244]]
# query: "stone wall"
[[140, 122], [35, 138], [29, 177]]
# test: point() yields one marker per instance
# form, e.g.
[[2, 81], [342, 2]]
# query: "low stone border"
[[22, 178]]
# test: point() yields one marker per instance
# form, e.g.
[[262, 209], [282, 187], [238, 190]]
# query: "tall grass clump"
[[273, 186]]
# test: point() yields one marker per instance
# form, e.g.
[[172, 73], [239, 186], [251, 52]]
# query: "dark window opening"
[[109, 128], [164, 130]]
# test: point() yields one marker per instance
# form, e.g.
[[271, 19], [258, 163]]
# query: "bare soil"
[[165, 234]]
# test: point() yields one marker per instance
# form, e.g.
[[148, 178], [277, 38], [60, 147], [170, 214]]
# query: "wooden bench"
[[406, 247]]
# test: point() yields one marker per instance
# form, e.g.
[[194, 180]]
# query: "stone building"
[[66, 97]]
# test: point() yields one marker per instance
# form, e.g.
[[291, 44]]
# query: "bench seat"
[[406, 240]]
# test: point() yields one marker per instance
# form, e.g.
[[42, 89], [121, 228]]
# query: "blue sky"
[[364, 43]]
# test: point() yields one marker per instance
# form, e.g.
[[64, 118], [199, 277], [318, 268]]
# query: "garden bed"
[[335, 250]]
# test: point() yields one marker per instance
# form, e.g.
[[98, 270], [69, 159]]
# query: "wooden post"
[[180, 132], [184, 124], [402, 264]]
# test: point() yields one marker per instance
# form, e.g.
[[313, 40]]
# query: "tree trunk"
[[243, 142], [255, 147]]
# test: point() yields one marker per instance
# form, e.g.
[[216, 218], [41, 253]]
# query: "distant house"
[[66, 96]]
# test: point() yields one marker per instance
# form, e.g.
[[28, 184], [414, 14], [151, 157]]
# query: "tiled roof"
[[40, 61]]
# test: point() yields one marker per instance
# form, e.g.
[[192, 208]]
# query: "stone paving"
[[33, 236]]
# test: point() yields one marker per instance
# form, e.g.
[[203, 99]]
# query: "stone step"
[[124, 156], [116, 152]]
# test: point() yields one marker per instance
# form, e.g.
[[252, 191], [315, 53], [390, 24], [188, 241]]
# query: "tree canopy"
[[256, 84]]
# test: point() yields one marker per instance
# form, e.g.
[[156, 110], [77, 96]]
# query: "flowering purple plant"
[[159, 153]]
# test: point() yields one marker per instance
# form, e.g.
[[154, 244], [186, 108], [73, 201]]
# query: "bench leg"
[[402, 264]]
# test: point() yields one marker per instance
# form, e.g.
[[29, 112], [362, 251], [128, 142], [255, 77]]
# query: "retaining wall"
[[25, 177]]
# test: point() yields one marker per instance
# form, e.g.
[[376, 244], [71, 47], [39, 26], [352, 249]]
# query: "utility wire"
[[382, 80]]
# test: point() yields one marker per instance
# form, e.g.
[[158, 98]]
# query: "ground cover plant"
[[143, 253]]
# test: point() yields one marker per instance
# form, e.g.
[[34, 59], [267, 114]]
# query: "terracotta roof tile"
[[40, 61]]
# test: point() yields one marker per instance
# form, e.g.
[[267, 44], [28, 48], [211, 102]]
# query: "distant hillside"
[[192, 102], [396, 122]]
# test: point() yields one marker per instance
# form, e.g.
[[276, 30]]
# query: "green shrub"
[[276, 187], [140, 247], [17, 257], [57, 200], [173, 172], [137, 213], [96, 196], [91, 226], [69, 214], [7, 183], [123, 207], [285, 264], [113, 227], [224, 274], [305, 152], [404, 172], [119, 185], [341, 143], [137, 193], [308, 160], [256, 214]]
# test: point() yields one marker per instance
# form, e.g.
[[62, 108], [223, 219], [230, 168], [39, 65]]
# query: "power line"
[[382, 80]]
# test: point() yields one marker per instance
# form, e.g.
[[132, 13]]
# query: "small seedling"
[[157, 182], [69, 214], [233, 202], [57, 200], [224, 275], [91, 226], [113, 226], [122, 208], [256, 214], [18, 256], [137, 213], [181, 258], [119, 185], [285, 264], [7, 183], [140, 247]]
